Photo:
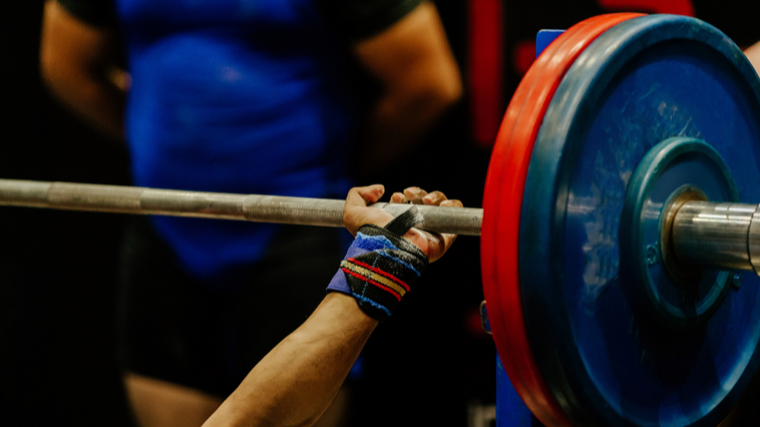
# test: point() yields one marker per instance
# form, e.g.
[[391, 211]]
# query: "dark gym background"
[[57, 270], [57, 365]]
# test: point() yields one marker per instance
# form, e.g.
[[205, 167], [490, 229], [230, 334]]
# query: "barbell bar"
[[241, 207]]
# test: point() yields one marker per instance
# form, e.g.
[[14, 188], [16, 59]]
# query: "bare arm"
[[76, 63], [296, 381], [420, 80], [753, 54]]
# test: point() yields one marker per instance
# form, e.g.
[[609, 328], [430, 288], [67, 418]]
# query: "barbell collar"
[[251, 207]]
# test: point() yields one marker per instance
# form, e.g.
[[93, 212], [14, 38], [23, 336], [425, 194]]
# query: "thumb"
[[360, 197]]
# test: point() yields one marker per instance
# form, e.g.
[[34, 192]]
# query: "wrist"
[[381, 266], [350, 313]]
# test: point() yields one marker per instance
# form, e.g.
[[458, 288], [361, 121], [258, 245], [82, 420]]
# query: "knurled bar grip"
[[251, 207]]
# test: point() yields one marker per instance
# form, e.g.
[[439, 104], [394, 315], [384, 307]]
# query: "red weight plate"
[[502, 204]]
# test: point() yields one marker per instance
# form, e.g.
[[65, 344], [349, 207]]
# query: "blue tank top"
[[238, 96]]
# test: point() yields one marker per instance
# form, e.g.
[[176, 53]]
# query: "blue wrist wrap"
[[381, 266]]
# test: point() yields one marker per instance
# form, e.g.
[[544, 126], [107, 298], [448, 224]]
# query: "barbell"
[[734, 228], [619, 213]]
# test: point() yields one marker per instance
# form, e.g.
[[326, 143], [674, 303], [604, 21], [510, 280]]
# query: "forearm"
[[419, 80], [76, 63], [753, 54], [98, 100], [295, 383]]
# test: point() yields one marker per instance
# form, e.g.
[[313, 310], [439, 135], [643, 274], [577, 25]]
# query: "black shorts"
[[181, 330]]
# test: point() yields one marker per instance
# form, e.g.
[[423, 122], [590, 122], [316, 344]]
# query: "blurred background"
[[57, 269]]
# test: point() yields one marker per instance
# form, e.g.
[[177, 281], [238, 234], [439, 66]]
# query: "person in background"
[[259, 97]]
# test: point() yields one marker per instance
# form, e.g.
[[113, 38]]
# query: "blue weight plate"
[[644, 81]]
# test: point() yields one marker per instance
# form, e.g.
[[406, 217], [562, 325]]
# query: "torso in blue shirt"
[[240, 96]]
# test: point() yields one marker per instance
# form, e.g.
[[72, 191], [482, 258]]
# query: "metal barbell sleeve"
[[724, 236]]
